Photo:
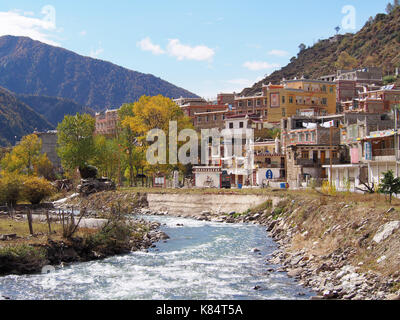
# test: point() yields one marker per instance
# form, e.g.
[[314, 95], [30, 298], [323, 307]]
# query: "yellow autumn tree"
[[155, 113], [26, 157], [346, 61]]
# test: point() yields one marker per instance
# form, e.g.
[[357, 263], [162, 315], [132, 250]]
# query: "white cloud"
[[16, 23], [182, 52], [83, 33], [178, 50], [146, 45], [259, 65], [278, 53]]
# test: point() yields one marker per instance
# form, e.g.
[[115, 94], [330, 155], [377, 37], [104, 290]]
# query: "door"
[[323, 157]]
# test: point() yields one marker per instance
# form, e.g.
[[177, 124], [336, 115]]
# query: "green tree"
[[76, 141], [389, 185], [107, 157]]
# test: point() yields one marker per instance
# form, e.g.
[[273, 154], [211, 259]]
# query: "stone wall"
[[195, 204]]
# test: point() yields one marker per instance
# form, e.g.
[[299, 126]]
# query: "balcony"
[[316, 162], [385, 155], [383, 152]]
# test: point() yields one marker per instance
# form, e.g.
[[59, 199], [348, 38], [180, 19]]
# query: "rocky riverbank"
[[343, 247], [335, 271]]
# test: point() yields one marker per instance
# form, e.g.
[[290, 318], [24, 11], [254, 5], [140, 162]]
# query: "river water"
[[201, 261]]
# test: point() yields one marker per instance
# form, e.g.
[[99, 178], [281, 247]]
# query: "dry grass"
[[348, 221], [41, 232]]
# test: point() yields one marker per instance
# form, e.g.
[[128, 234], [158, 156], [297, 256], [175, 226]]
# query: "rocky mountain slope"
[[53, 109], [376, 44], [34, 68], [17, 119]]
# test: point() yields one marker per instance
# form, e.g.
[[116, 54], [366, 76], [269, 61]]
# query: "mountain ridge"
[[33, 68]]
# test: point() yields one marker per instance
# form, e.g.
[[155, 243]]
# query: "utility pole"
[[330, 155], [396, 139]]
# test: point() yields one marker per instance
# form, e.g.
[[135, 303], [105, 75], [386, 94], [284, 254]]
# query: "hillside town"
[[340, 128]]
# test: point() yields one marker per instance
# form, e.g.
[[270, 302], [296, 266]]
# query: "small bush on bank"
[[21, 259], [115, 234], [10, 189], [35, 189]]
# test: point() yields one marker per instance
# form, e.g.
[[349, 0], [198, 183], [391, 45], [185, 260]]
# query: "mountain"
[[376, 44], [18, 119], [34, 68], [53, 109]]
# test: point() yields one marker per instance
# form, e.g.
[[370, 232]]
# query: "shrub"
[[10, 189], [35, 189]]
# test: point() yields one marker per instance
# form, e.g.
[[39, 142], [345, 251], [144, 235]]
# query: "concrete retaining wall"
[[195, 204]]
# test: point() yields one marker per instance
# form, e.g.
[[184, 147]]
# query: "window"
[[300, 137], [283, 112], [307, 137], [334, 154], [215, 117], [324, 88], [305, 155], [331, 89], [240, 104], [265, 102], [230, 125], [283, 99], [199, 120], [240, 124], [249, 103], [324, 101], [258, 102], [291, 99]]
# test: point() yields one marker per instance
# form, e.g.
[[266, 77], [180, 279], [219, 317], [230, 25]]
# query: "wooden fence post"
[[29, 216], [48, 221]]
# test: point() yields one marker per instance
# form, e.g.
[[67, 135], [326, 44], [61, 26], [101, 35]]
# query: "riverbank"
[[22, 253], [343, 247]]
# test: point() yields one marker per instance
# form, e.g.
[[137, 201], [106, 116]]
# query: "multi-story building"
[[350, 82], [107, 122], [291, 97], [269, 161], [211, 119], [362, 134], [309, 144]]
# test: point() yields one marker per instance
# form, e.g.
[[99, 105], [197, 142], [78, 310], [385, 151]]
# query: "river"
[[201, 261]]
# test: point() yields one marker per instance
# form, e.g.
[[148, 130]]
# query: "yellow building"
[[294, 97]]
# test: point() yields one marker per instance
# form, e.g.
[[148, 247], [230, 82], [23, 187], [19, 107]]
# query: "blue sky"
[[204, 46]]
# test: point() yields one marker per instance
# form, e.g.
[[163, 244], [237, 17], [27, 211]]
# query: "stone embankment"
[[340, 247], [333, 274]]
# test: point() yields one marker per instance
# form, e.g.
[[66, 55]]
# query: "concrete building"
[[270, 162], [309, 144], [49, 147], [291, 97], [374, 101], [354, 128]]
